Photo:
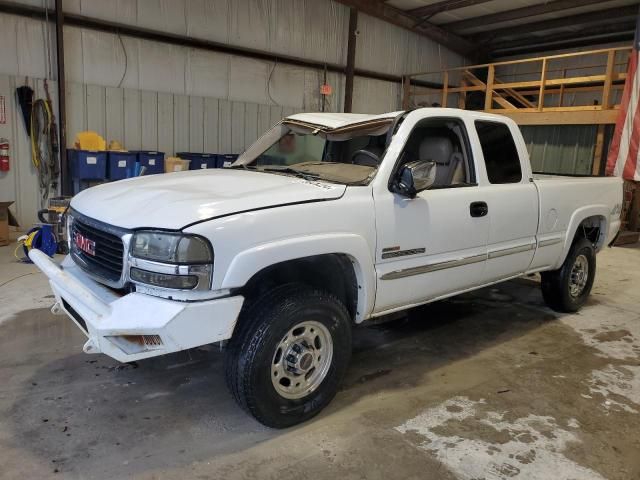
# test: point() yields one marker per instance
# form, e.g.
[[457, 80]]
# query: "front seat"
[[439, 149], [360, 157]]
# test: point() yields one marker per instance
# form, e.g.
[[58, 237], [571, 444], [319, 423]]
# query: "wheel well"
[[330, 272], [593, 229]]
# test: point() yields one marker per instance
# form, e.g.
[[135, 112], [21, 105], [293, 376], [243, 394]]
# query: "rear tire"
[[566, 289], [288, 355]]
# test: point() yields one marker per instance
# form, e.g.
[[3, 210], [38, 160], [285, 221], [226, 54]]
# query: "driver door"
[[436, 243]]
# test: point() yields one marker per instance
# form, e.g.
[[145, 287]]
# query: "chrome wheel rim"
[[579, 276], [301, 360]]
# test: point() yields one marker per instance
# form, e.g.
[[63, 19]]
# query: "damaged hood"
[[175, 200]]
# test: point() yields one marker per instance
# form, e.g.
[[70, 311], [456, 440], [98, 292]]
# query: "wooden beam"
[[443, 6], [594, 117], [351, 60], [527, 60], [397, 17], [543, 79], [464, 88], [567, 90], [462, 97], [488, 96], [569, 21], [598, 151], [606, 92], [562, 88], [445, 88], [519, 13]]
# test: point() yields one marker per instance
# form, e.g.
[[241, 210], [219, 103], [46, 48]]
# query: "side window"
[[443, 141], [500, 153]]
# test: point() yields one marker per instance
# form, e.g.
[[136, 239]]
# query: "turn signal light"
[[164, 280]]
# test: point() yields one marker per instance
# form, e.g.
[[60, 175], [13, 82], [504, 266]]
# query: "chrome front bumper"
[[135, 326]]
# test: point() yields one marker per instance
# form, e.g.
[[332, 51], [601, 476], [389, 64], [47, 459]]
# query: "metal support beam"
[[519, 13], [65, 184], [400, 18], [557, 41], [568, 44], [351, 59], [443, 6], [569, 21]]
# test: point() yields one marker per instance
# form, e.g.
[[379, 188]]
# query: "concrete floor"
[[489, 385]]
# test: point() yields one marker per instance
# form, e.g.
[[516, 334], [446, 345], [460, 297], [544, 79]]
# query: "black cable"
[[126, 60], [269, 81]]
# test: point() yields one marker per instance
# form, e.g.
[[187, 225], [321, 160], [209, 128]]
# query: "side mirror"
[[415, 177]]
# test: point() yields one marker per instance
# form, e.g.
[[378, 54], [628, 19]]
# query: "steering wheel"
[[368, 154]]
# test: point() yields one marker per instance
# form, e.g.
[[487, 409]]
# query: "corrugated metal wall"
[[157, 96], [169, 122], [561, 148]]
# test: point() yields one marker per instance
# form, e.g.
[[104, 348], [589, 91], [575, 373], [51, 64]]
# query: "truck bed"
[[562, 196]]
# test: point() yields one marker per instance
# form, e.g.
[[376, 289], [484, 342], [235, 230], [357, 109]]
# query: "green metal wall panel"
[[561, 148]]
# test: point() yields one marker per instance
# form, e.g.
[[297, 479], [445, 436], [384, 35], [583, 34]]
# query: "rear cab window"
[[500, 153]]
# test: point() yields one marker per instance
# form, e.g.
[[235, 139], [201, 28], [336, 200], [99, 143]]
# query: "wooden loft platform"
[[568, 89]]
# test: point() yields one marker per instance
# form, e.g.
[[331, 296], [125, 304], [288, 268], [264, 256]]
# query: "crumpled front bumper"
[[135, 326]]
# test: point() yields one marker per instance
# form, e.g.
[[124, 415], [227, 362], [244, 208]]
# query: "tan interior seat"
[[449, 163]]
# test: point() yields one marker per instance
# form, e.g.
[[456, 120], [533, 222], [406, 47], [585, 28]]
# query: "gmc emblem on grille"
[[84, 244]]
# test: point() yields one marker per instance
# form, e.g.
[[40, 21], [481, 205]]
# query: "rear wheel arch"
[[594, 229], [590, 223]]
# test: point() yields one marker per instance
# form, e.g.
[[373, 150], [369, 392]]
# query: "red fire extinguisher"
[[4, 155]]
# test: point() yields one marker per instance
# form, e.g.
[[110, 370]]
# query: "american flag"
[[624, 159]]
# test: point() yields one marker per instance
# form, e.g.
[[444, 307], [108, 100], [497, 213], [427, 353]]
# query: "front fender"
[[251, 261]]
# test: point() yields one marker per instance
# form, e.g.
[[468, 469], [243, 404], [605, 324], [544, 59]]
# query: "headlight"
[[171, 260], [173, 248]]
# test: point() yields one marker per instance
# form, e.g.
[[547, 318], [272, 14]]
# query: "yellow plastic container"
[[175, 164]]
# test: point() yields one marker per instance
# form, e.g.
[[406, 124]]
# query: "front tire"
[[566, 289], [288, 355]]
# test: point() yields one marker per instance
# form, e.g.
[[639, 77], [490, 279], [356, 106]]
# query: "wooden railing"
[[542, 98]]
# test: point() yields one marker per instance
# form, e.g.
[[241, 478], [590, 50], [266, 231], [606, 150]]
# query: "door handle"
[[478, 209]]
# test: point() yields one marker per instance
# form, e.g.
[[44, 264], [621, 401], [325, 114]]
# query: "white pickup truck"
[[326, 221]]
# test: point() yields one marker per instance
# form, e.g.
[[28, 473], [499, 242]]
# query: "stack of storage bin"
[[153, 161], [121, 165], [93, 166], [86, 165], [226, 159], [199, 160]]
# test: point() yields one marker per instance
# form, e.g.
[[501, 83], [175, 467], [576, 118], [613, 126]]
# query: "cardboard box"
[[4, 223]]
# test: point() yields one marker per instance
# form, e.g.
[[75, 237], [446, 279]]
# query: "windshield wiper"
[[292, 171], [243, 167], [285, 170]]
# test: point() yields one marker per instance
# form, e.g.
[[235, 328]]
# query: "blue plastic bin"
[[226, 159], [199, 160], [87, 165], [154, 161], [121, 165]]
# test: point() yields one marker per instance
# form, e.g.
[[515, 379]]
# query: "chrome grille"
[[109, 251]]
